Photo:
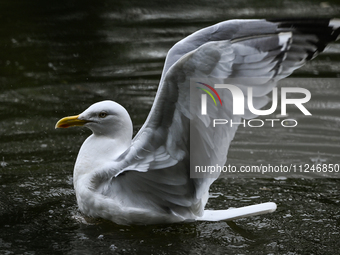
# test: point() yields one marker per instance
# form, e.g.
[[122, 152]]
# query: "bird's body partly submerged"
[[146, 180]]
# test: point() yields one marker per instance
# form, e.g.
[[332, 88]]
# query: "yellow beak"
[[70, 122]]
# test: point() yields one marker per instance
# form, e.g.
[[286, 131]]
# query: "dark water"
[[57, 58]]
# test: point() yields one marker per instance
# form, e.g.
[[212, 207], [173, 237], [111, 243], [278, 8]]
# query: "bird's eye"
[[102, 114]]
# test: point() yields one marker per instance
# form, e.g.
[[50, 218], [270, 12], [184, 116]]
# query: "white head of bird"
[[112, 134]]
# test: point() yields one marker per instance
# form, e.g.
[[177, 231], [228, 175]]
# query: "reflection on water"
[[58, 58]]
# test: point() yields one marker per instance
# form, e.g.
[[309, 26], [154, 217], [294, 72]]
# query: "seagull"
[[146, 179]]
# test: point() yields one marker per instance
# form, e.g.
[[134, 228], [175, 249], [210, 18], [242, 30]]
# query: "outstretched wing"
[[156, 167]]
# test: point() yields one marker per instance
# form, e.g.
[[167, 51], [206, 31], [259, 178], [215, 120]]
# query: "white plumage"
[[146, 180]]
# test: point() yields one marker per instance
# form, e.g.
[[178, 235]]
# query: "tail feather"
[[237, 213]]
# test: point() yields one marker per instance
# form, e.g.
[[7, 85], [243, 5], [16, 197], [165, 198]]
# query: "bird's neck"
[[96, 152]]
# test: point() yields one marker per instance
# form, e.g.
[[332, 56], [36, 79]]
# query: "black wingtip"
[[326, 30]]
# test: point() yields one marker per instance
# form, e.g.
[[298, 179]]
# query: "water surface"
[[58, 58]]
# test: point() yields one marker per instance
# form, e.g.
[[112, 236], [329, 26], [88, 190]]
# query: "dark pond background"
[[59, 57]]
